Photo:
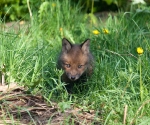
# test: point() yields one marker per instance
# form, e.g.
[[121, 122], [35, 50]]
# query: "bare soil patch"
[[18, 107]]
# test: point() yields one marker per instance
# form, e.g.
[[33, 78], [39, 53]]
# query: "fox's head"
[[75, 58]]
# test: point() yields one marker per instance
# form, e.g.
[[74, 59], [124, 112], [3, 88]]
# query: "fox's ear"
[[66, 45], [85, 46]]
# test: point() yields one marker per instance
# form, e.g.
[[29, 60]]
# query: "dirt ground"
[[18, 107]]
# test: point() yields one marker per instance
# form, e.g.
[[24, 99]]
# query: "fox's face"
[[74, 59]]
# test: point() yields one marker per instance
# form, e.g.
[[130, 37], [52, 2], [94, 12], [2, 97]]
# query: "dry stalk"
[[125, 114], [28, 4], [133, 120]]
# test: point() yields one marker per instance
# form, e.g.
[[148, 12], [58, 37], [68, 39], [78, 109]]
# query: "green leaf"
[[64, 105], [108, 1]]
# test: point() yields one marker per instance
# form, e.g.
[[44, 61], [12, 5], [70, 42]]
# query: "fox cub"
[[76, 60]]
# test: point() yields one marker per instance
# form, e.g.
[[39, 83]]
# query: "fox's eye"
[[79, 66], [67, 65]]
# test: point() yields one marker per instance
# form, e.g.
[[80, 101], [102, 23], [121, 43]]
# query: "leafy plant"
[[14, 9]]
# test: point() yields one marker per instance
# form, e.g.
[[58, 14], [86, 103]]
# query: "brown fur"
[[76, 61]]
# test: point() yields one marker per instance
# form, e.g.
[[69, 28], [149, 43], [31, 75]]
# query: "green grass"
[[119, 78]]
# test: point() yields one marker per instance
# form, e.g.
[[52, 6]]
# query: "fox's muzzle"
[[73, 77]]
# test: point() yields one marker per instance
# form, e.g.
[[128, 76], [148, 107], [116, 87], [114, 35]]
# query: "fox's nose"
[[73, 77]]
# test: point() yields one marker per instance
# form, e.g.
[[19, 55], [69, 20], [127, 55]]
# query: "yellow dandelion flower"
[[22, 22], [139, 50], [96, 32], [60, 29], [105, 31], [53, 4]]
